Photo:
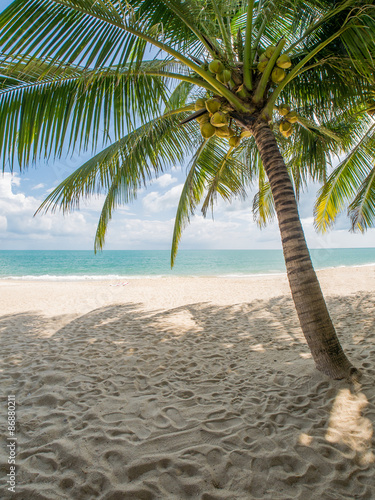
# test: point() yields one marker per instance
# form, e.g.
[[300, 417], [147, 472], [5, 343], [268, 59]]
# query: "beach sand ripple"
[[183, 389]]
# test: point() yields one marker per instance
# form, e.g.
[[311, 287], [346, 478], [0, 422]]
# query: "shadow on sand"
[[199, 401]]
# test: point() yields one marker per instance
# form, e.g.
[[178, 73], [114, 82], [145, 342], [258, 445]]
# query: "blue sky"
[[145, 224]]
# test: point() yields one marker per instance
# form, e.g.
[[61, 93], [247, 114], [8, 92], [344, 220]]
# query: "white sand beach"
[[185, 388]]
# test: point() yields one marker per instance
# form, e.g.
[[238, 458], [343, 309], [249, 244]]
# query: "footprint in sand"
[[223, 424], [141, 468], [175, 417], [185, 394], [115, 417]]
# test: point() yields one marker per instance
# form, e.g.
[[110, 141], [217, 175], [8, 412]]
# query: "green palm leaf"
[[129, 162], [345, 180], [362, 208]]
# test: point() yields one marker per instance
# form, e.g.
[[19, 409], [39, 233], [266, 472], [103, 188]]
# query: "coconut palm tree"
[[246, 89]]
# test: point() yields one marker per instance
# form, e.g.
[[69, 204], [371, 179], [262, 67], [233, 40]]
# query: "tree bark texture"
[[308, 298]]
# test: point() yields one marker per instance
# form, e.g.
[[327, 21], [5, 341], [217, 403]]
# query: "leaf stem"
[[120, 23], [247, 57], [223, 30], [267, 72]]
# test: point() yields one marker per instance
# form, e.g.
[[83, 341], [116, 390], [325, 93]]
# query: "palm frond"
[[345, 181], [362, 209], [79, 109], [191, 195], [130, 161], [225, 176], [263, 204]]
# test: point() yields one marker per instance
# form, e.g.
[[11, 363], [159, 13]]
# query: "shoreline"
[[92, 277]]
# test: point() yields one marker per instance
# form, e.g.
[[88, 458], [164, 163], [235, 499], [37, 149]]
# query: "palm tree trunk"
[[311, 308]]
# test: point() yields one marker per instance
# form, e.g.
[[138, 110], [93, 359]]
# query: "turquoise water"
[[117, 264]]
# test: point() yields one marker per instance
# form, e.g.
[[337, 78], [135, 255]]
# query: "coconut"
[[269, 51], [234, 141], [207, 130], [216, 66], [262, 66], [288, 133], [284, 109], [200, 104], [284, 61], [277, 75], [245, 133], [203, 118], [224, 76], [285, 127], [222, 131], [213, 105], [292, 117], [219, 119], [263, 57]]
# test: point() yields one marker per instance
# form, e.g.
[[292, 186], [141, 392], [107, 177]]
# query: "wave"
[[83, 277]]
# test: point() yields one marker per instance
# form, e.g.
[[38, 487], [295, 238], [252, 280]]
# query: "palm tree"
[[259, 74]]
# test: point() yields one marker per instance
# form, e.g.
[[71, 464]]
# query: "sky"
[[148, 222]]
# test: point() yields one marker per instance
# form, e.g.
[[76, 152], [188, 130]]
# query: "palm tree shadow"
[[233, 377]]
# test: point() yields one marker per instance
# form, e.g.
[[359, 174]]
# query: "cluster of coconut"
[[215, 122], [283, 62], [222, 75], [289, 117], [216, 119]]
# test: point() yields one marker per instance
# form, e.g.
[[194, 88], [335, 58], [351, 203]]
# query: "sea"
[[71, 265]]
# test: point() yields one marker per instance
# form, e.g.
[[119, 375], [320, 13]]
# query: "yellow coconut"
[[292, 117], [216, 66], [207, 130], [224, 76], [262, 66], [200, 104], [287, 133], [222, 131], [245, 133], [219, 119], [277, 75], [234, 141], [263, 57], [284, 61], [284, 109], [269, 51], [285, 126], [213, 105], [203, 118]]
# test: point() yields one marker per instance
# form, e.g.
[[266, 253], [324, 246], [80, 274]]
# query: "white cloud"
[[337, 237], [38, 186], [3, 223], [139, 233], [232, 227], [18, 223], [156, 202], [165, 180]]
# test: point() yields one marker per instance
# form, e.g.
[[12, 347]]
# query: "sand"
[[185, 388]]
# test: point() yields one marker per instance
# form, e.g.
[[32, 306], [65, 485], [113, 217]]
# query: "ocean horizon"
[[71, 265]]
